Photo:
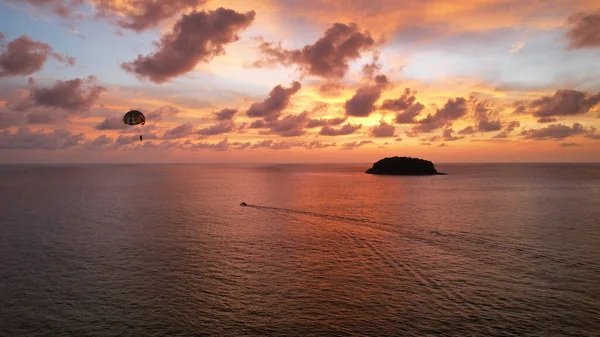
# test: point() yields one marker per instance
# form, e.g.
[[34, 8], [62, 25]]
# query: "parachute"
[[134, 117]]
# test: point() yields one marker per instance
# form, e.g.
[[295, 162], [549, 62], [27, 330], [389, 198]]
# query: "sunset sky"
[[300, 81]]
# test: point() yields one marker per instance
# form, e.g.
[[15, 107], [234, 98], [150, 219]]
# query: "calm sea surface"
[[166, 250]]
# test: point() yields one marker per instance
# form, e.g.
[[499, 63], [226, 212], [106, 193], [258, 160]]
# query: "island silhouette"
[[404, 166]]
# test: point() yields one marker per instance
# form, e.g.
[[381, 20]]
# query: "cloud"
[[369, 69], [328, 57], [344, 130], [383, 130], [452, 110], [241, 146], [223, 126], [158, 114], [483, 112], [25, 139], [469, 130], [583, 30], [592, 134], [180, 131], [140, 15], [569, 144], [23, 56], [315, 144], [10, 118], [225, 114], [565, 102], [100, 142], [355, 144], [223, 145], [447, 135], [272, 145], [554, 131], [45, 117], [547, 120], [75, 96], [405, 106], [363, 101], [63, 8], [314, 123], [111, 123], [196, 37], [331, 88], [512, 126], [289, 126], [272, 106]]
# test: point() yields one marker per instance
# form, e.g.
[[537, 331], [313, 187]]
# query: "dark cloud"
[[452, 110], [554, 131], [331, 88], [355, 144], [223, 145], [383, 130], [564, 102], [272, 106], [447, 135], [100, 142], [263, 144], [547, 120], [180, 131], [328, 57], [362, 104], [257, 124], [431, 139], [225, 114], [512, 126], [10, 118], [443, 145], [45, 117], [111, 123], [64, 8], [289, 126], [592, 134], [75, 96], [583, 30], [25, 139], [23, 56], [158, 114], [406, 107], [314, 123], [372, 67], [469, 130], [223, 126], [241, 146], [140, 15], [483, 114], [398, 139], [196, 37], [344, 130], [272, 145], [285, 145], [569, 144], [315, 144]]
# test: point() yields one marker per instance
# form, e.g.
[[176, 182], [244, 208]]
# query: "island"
[[404, 166]]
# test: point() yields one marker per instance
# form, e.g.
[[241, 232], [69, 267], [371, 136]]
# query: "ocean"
[[167, 250]]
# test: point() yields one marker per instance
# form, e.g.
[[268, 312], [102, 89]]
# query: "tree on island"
[[403, 166]]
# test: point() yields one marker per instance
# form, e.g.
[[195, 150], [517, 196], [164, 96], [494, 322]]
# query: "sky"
[[299, 81]]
